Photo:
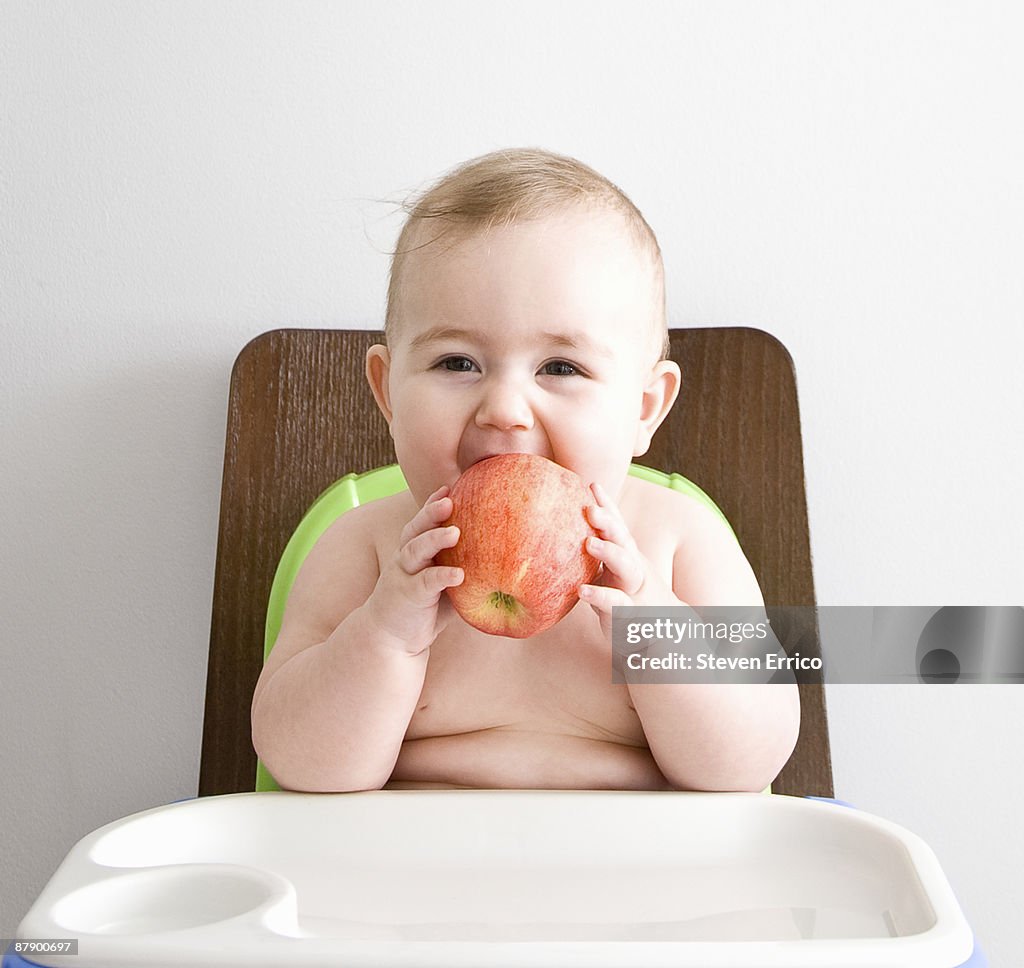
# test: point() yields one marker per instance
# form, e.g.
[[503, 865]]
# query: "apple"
[[523, 528]]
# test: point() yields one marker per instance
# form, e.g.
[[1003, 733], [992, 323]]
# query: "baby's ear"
[[660, 392], [378, 368]]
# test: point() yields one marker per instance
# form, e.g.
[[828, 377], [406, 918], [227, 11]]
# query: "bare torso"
[[540, 712]]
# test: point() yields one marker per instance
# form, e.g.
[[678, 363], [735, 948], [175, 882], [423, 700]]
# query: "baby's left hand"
[[628, 578]]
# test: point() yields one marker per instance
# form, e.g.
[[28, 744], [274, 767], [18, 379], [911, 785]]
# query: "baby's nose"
[[504, 406]]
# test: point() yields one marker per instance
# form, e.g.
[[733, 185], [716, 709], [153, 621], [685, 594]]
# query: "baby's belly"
[[522, 758]]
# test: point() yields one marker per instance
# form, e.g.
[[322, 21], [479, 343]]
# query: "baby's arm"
[[336, 695], [703, 736]]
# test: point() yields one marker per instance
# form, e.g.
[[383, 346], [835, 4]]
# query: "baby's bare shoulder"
[[654, 508], [343, 566], [708, 565], [377, 525]]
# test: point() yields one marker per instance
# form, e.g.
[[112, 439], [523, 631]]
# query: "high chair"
[[514, 878]]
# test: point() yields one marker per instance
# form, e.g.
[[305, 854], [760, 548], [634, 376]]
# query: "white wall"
[[176, 178]]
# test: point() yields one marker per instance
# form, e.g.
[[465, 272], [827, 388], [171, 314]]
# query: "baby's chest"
[[559, 681]]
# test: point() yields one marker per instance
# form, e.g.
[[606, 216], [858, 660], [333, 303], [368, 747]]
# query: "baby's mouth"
[[497, 453], [463, 467], [470, 454], [494, 453], [476, 459]]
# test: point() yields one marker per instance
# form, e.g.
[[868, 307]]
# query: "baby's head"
[[526, 312]]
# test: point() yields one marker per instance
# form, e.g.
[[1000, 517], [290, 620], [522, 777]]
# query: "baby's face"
[[537, 337]]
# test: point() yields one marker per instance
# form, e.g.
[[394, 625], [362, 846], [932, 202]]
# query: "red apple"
[[523, 528]]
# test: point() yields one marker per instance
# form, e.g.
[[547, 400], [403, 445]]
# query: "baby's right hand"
[[407, 600]]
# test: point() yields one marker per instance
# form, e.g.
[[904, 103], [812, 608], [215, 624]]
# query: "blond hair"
[[510, 186]]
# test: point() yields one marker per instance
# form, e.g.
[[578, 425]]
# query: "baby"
[[526, 313]]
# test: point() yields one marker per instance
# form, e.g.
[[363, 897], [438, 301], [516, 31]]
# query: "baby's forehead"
[[437, 239], [571, 261]]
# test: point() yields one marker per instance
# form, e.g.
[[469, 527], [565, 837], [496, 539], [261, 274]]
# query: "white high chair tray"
[[506, 878]]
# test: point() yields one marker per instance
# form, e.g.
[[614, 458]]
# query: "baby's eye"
[[559, 368], [457, 364]]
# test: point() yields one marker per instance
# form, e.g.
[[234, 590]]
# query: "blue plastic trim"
[[977, 959], [11, 960], [838, 803]]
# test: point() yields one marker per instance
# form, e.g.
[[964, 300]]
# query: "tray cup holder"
[[165, 899]]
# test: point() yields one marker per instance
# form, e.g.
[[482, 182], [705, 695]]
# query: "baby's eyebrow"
[[571, 339], [439, 333], [578, 340]]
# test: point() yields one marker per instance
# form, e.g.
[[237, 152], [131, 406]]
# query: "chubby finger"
[[434, 580], [442, 492], [607, 519], [623, 567], [436, 509], [610, 527], [604, 597], [417, 554]]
